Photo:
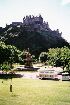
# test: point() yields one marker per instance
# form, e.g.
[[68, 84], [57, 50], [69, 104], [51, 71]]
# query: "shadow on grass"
[[9, 76]]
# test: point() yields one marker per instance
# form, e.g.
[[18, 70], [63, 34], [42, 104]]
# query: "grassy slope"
[[34, 92]]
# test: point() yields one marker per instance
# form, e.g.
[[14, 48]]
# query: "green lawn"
[[34, 92]]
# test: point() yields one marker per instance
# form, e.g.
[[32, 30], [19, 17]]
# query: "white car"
[[47, 74]]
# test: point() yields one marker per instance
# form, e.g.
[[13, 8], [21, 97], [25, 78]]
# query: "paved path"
[[30, 75]]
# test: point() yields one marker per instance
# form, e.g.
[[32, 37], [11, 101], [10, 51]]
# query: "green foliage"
[[53, 56], [37, 42], [9, 54], [65, 57], [59, 57], [5, 67], [14, 54]]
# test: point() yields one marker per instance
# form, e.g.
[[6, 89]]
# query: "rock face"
[[33, 33]]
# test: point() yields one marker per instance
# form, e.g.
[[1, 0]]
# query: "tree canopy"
[[8, 54], [57, 57]]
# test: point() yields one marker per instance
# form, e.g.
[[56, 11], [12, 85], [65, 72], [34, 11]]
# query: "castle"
[[35, 23], [32, 23]]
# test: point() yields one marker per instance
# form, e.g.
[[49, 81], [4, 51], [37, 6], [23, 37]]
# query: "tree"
[[13, 55], [59, 57], [65, 57], [3, 54], [8, 54]]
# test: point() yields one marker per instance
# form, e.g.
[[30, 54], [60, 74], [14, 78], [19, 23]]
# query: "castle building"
[[36, 22], [16, 23], [32, 20], [31, 23]]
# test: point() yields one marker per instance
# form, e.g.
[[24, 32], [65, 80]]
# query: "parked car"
[[47, 74], [65, 77]]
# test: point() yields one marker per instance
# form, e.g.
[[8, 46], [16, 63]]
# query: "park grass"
[[34, 92]]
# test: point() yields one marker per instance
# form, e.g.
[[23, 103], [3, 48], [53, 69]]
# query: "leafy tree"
[[65, 57], [9, 54], [3, 53], [59, 57], [13, 55]]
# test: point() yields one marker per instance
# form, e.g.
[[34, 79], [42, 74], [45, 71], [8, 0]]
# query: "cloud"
[[65, 2]]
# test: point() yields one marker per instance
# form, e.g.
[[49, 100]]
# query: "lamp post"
[[11, 85]]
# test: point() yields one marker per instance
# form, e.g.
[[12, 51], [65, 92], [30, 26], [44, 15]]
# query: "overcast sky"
[[55, 12]]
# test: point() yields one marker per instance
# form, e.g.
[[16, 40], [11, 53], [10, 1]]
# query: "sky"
[[55, 12]]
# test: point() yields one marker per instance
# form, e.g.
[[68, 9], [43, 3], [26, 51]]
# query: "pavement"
[[30, 75]]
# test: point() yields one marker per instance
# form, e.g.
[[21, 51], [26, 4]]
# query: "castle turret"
[[32, 20]]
